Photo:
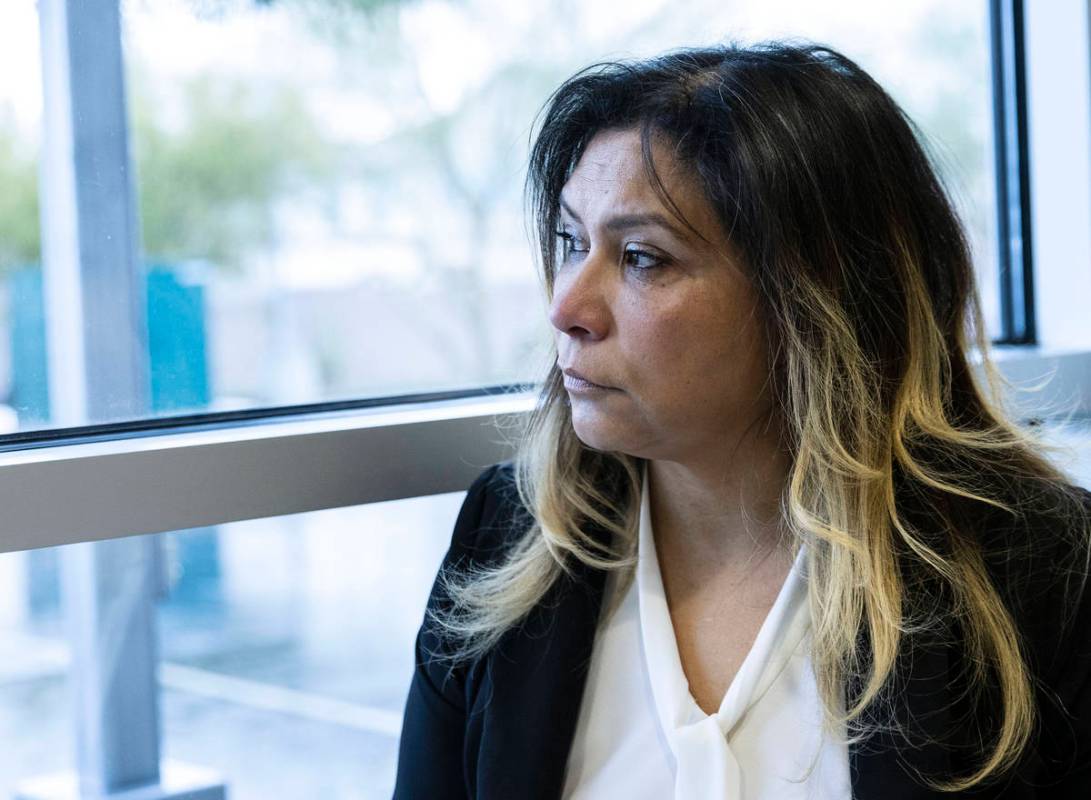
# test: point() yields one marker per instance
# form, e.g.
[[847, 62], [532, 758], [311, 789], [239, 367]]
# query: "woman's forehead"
[[611, 178]]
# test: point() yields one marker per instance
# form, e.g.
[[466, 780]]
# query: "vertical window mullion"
[[97, 346], [1015, 250]]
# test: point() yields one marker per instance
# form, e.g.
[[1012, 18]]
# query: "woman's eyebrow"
[[621, 222]]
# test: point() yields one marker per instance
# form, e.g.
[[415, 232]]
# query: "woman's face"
[[667, 322]]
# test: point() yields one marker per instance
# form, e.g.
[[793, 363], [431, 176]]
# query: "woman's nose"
[[579, 306]]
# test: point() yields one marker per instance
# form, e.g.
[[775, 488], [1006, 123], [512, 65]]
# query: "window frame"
[[1015, 250], [87, 491]]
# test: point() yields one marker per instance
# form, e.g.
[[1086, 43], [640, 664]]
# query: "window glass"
[[329, 191], [22, 336], [286, 649]]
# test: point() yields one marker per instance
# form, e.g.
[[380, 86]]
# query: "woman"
[[765, 536]]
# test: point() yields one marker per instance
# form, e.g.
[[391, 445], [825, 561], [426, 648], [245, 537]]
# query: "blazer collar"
[[537, 674]]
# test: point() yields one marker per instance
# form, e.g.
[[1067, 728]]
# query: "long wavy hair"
[[868, 302]]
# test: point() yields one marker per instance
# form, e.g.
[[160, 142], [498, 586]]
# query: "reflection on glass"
[[286, 650]]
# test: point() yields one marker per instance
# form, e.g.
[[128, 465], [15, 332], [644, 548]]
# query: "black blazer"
[[501, 728]]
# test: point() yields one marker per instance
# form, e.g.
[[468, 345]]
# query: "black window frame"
[[1014, 230]]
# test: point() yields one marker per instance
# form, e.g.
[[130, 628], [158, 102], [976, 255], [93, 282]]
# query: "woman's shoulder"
[[1040, 565], [491, 517], [1050, 594], [486, 520]]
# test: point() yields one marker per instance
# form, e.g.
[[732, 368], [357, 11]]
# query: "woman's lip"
[[575, 382]]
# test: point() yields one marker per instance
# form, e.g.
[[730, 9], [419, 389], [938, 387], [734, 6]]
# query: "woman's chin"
[[597, 435]]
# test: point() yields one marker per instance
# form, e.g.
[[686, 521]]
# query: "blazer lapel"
[[526, 711]]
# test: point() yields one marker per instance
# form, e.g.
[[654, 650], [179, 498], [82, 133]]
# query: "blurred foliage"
[[206, 9], [363, 6], [210, 183], [208, 188], [20, 241], [332, 19]]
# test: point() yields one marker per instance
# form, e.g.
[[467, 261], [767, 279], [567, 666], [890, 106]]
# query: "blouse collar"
[[699, 741]]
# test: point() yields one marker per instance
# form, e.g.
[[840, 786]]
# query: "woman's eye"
[[570, 244], [632, 257], [641, 259]]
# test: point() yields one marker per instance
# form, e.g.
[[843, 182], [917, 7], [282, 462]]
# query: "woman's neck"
[[721, 505]]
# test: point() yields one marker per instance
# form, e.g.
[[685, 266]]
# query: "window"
[[284, 646], [327, 194]]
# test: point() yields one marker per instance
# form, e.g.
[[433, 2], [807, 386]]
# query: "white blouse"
[[641, 734]]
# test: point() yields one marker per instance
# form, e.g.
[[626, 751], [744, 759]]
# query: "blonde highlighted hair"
[[904, 465]]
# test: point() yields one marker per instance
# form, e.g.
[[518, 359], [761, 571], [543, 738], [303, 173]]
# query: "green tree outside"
[[206, 190]]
